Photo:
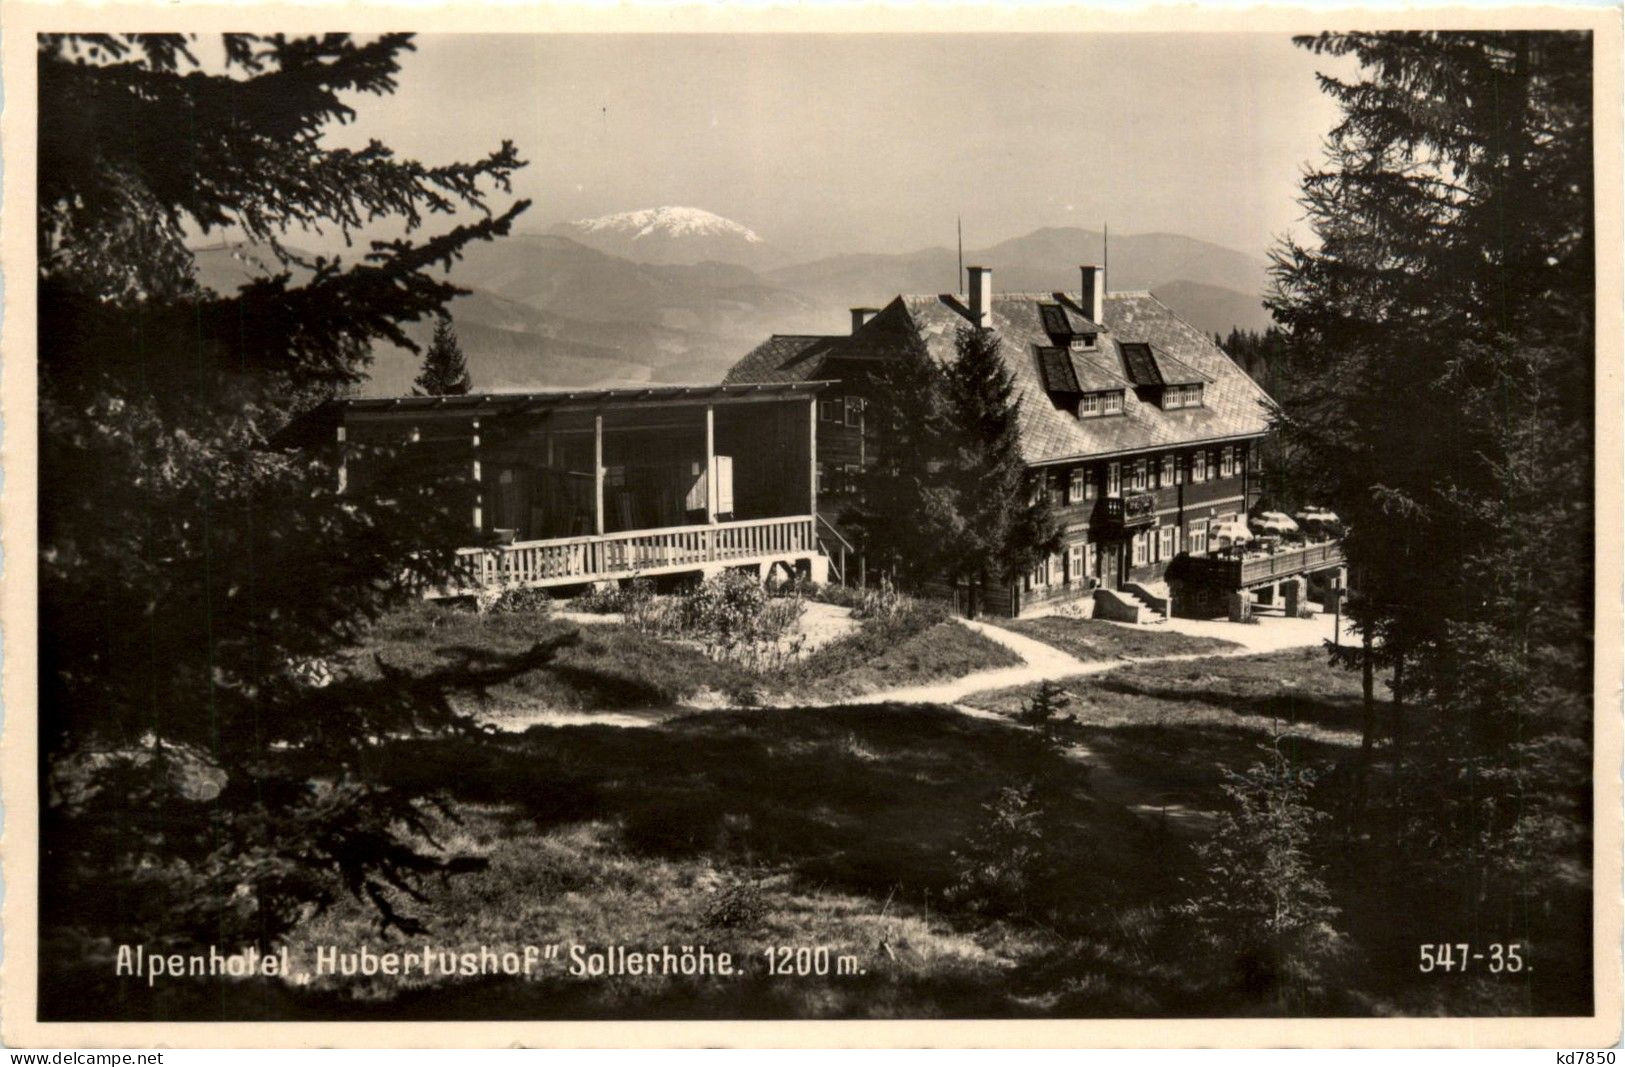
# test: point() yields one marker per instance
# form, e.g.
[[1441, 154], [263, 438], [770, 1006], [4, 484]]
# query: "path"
[[1041, 662]]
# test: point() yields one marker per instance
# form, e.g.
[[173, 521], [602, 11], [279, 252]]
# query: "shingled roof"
[[1149, 365], [784, 358], [1177, 352]]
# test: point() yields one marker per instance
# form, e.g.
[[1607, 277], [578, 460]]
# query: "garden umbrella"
[[1232, 533], [1273, 522], [1320, 516]]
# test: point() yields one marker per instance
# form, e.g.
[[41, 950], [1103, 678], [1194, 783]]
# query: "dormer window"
[[1082, 342], [1094, 405], [1181, 396]]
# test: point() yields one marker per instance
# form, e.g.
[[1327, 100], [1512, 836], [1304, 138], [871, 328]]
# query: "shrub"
[[1263, 894], [1044, 710], [733, 616], [519, 600], [1005, 861], [740, 905], [631, 600], [881, 601]]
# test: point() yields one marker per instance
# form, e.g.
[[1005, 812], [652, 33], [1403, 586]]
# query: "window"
[[1170, 541], [1140, 474], [1112, 403], [1182, 396], [823, 477], [1169, 466], [854, 472], [1199, 467], [854, 410], [1091, 483], [1074, 562], [1082, 342], [1089, 405], [1037, 577], [1198, 537], [1074, 486], [829, 410], [1227, 462], [1141, 543], [1114, 479], [1091, 559]]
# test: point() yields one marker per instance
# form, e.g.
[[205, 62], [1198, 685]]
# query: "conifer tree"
[[901, 502], [205, 759], [445, 368], [993, 519], [1440, 366], [1440, 358]]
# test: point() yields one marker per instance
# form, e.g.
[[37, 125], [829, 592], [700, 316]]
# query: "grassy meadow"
[[968, 866]]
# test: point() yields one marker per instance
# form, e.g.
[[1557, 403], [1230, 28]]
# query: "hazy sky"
[[876, 142]]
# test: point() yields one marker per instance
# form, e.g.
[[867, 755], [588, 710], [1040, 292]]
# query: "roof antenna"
[[959, 279], [1106, 251]]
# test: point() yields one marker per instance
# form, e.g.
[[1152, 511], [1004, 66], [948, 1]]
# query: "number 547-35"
[[1497, 957]]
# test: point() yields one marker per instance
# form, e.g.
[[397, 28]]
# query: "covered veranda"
[[576, 487]]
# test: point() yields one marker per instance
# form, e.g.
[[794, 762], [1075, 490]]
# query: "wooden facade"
[[572, 488], [1142, 432]]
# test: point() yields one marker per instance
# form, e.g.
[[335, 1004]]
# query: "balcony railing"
[[1247, 569], [573, 560], [1134, 509]]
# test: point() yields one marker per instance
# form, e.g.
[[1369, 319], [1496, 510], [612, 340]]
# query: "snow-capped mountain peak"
[[667, 222]]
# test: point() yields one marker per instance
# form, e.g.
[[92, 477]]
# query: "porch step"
[[1154, 614], [836, 547]]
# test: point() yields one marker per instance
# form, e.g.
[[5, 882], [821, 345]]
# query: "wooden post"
[[344, 461], [711, 493], [598, 474], [812, 457], [479, 485]]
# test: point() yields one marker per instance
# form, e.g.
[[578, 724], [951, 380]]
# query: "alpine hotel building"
[[1143, 432]]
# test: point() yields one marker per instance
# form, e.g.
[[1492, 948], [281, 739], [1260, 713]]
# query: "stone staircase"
[[1131, 603], [1155, 607]]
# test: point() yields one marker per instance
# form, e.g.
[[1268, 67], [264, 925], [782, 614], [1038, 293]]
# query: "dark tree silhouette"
[[993, 520], [204, 747], [1439, 396], [445, 368]]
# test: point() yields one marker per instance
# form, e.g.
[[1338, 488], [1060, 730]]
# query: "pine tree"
[[1441, 339], [196, 577], [1263, 891], [992, 517], [445, 369], [900, 498]]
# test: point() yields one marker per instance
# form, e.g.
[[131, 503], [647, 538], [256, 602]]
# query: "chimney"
[[860, 316], [981, 296], [1094, 293]]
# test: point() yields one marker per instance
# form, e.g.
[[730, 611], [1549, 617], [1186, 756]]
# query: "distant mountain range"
[[672, 235], [677, 295]]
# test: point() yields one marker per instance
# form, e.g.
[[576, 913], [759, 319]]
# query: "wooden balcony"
[[1257, 568], [1126, 512], [669, 550]]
